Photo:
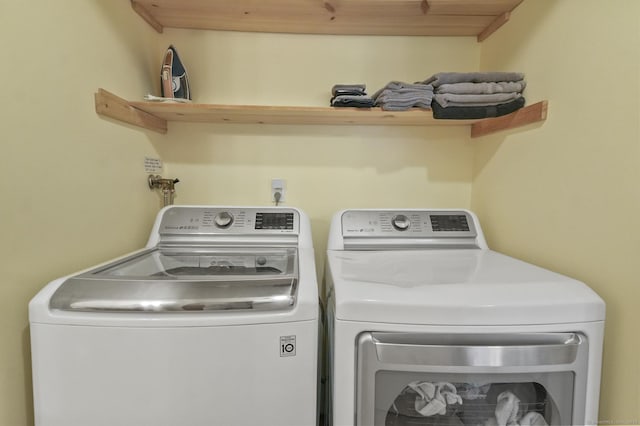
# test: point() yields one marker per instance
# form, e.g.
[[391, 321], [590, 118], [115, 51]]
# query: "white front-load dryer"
[[427, 326], [215, 322]]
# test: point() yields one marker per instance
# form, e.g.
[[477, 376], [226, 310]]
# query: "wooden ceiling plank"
[[493, 27], [425, 6], [472, 7], [416, 24], [366, 17], [146, 15]]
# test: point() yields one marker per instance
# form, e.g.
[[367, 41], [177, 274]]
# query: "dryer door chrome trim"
[[511, 351], [557, 361]]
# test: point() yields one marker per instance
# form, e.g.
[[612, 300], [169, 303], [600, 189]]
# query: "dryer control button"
[[223, 219], [401, 222]]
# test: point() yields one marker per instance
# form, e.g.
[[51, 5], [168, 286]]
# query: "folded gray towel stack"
[[476, 94], [350, 95], [400, 96]]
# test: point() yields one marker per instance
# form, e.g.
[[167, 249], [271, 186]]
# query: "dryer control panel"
[[408, 228], [428, 224]]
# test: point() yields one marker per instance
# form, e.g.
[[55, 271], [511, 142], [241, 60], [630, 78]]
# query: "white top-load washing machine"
[[427, 326], [215, 322]]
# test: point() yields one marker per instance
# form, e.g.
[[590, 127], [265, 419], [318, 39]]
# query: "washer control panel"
[[214, 220], [409, 224]]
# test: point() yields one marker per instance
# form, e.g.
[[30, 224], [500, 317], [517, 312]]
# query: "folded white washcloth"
[[150, 98]]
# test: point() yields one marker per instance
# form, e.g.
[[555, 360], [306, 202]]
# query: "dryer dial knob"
[[401, 222], [223, 219]]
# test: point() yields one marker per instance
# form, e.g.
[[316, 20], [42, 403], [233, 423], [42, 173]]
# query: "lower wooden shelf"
[[155, 115]]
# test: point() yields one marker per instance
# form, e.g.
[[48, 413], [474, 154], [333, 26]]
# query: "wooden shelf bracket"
[[112, 106], [527, 115]]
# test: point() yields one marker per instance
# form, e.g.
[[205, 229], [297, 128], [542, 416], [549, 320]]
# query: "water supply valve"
[[167, 186]]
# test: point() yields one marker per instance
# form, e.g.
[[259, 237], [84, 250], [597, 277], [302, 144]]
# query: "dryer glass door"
[[471, 380]]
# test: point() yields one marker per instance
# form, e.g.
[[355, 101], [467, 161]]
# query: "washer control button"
[[223, 219], [401, 222]]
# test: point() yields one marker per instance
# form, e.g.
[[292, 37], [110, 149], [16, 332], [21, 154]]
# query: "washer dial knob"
[[401, 222], [223, 219]]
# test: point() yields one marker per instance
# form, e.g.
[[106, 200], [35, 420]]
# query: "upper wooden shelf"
[[477, 18], [155, 116]]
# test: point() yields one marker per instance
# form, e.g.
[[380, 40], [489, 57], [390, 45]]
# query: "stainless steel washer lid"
[[186, 279]]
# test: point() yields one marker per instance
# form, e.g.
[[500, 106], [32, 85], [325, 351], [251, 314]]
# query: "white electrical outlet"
[[278, 189]]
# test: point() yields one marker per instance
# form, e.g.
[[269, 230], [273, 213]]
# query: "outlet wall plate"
[[278, 185]]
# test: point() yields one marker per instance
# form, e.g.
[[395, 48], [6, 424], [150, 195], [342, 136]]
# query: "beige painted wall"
[[73, 185], [326, 168], [565, 194]]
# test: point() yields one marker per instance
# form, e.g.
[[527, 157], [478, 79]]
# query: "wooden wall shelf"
[[155, 115], [477, 18]]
